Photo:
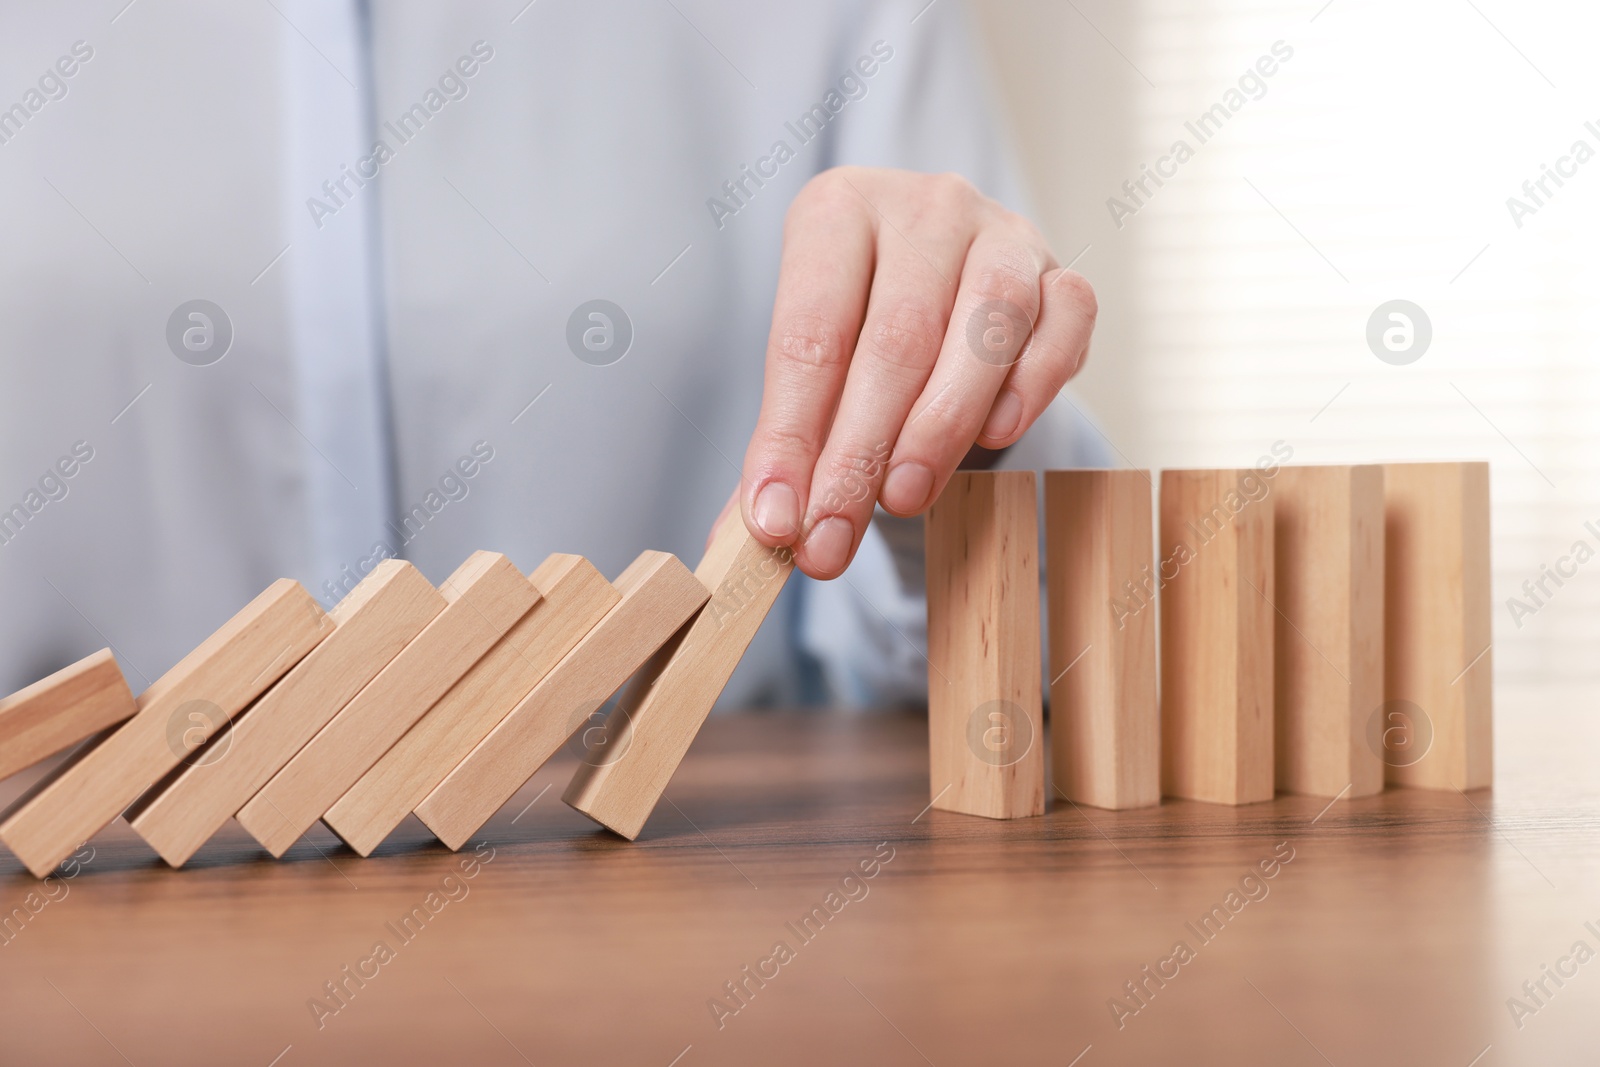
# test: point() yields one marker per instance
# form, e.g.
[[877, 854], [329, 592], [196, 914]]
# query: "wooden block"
[[1216, 635], [1328, 551], [180, 710], [372, 624], [1438, 671], [659, 594], [574, 597], [985, 714], [1105, 724], [484, 598], [650, 729], [57, 712]]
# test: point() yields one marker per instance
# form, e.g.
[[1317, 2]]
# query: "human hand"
[[914, 318]]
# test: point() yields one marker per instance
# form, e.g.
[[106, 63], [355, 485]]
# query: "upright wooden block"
[[659, 594], [1105, 725], [574, 597], [1216, 635], [57, 712], [180, 710], [1438, 670], [371, 625], [484, 598], [658, 716], [1328, 548], [985, 716]]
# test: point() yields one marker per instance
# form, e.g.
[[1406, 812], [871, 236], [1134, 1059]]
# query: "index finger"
[[823, 280]]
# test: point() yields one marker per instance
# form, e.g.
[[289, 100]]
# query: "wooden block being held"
[[1436, 729], [1216, 635], [181, 710], [371, 625], [985, 716], [574, 597], [1105, 726], [1328, 546], [659, 594], [649, 731], [57, 712], [484, 598]]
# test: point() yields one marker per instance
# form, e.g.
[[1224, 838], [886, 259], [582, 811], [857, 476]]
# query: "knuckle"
[[1075, 289], [788, 444], [1010, 281], [954, 188], [1027, 230], [947, 422], [824, 188], [940, 201], [907, 335], [809, 341], [1052, 362], [852, 476]]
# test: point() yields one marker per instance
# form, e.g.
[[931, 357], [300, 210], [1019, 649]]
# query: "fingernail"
[[906, 488], [777, 510], [1004, 417], [828, 546]]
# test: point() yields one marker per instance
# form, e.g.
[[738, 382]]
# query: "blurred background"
[[1376, 165]]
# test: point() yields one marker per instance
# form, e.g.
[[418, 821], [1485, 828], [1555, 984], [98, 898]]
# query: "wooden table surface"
[[1395, 935]]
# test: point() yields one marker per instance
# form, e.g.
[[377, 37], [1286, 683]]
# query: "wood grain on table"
[[1395, 934]]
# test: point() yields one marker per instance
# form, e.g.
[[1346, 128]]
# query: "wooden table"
[[1396, 934]]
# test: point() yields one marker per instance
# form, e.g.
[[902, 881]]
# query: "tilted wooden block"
[[659, 594], [985, 717], [484, 598], [1216, 635], [371, 625], [180, 710], [57, 712], [1438, 670], [1328, 547], [650, 729], [574, 597], [1105, 725]]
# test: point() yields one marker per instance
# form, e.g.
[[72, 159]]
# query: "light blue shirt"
[[400, 313]]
